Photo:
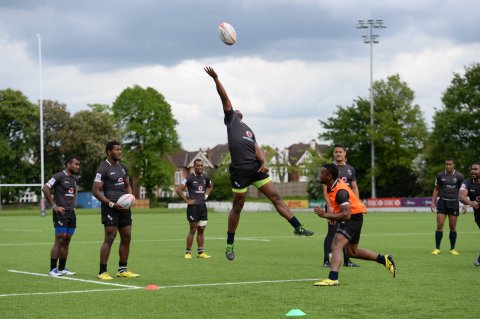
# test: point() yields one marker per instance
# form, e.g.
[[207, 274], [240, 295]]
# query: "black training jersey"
[[196, 186], [64, 189], [346, 173], [449, 184], [473, 191], [241, 140], [113, 178]]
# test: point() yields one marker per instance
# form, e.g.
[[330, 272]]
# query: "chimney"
[[209, 154], [313, 144]]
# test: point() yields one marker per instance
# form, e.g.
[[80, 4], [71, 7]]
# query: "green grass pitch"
[[273, 272]]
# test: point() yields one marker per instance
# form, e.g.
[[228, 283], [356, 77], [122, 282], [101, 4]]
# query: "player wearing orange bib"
[[347, 214]]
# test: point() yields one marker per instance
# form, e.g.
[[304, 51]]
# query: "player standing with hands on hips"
[[111, 182], [199, 187], [248, 167], [64, 185], [447, 185]]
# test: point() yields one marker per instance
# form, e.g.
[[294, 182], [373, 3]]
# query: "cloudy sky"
[[293, 63]]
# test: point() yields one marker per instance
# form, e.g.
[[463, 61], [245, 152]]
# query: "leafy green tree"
[[314, 187], [280, 164], [56, 122], [399, 134], [18, 142], [147, 129], [222, 189], [456, 125], [88, 133]]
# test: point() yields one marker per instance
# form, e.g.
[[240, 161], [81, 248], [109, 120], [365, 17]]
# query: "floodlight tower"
[[42, 169], [371, 39]]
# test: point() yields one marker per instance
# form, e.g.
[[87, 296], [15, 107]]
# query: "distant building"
[[294, 161]]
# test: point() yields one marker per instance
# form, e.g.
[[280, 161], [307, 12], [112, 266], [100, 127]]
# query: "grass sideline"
[[272, 274]]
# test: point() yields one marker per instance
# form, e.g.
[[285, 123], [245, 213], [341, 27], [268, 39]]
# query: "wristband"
[[206, 196], [111, 204], [54, 206]]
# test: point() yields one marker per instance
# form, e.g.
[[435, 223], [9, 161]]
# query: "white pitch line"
[[239, 283], [63, 292], [262, 239], [24, 230], [144, 241], [75, 279]]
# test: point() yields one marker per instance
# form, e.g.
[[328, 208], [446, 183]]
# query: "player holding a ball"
[[348, 211], [111, 182], [248, 167]]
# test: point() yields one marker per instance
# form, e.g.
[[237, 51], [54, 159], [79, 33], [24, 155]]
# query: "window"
[[178, 177]]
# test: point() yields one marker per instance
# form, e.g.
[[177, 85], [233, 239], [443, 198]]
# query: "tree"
[[222, 188], [314, 187], [18, 142], [456, 125], [56, 123], [399, 134], [89, 132], [148, 135], [278, 162]]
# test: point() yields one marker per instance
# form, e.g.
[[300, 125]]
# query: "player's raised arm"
[[227, 105]]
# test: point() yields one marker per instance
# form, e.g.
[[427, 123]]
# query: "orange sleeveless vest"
[[356, 205]]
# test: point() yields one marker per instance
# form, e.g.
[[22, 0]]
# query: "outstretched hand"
[[211, 72]]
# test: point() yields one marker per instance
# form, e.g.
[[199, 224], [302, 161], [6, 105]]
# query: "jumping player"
[[64, 186], [248, 167]]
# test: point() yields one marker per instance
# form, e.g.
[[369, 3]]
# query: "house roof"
[[296, 151], [217, 152]]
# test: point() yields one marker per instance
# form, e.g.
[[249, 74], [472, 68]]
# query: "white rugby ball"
[[227, 33], [126, 201]]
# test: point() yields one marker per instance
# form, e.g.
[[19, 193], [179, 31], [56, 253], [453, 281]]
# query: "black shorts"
[[477, 218], [196, 213], [65, 219], [114, 217], [352, 228], [448, 207], [244, 175]]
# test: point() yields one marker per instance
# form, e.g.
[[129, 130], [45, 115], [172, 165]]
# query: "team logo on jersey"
[[200, 188], [71, 190], [120, 180], [249, 134], [344, 179]]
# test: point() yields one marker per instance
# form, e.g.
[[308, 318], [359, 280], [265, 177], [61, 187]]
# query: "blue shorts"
[[65, 231]]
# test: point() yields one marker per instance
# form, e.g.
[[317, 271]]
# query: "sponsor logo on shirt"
[[249, 136], [119, 182]]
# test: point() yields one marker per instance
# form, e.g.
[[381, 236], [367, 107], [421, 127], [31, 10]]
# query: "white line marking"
[[63, 292], [239, 283], [24, 230], [266, 238], [134, 287], [75, 279]]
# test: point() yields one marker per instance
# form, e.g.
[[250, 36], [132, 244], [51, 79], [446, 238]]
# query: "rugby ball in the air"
[[227, 33], [126, 201]]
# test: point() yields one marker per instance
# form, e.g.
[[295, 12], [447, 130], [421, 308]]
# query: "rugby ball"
[[126, 201], [227, 33]]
